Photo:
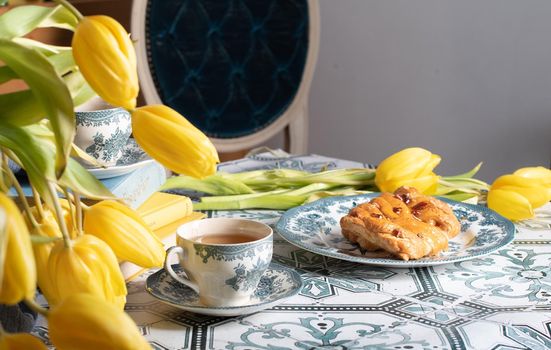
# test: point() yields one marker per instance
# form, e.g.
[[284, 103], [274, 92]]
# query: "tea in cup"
[[223, 258]]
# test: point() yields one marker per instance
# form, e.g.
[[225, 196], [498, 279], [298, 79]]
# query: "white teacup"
[[223, 258], [102, 131]]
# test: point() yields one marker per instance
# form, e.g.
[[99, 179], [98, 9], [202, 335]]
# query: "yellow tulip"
[[41, 255], [20, 341], [48, 216], [88, 265], [125, 232], [516, 196], [173, 141], [18, 280], [409, 167], [83, 321], [510, 204], [106, 57], [540, 173]]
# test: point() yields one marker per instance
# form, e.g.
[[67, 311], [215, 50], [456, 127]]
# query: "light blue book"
[[137, 186], [134, 187]]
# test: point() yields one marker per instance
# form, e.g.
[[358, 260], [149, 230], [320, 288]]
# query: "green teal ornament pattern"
[[499, 301]]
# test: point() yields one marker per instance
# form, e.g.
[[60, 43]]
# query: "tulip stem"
[[72, 210], [84, 206], [33, 305], [59, 215], [3, 238], [19, 190], [78, 206], [38, 203], [71, 8]]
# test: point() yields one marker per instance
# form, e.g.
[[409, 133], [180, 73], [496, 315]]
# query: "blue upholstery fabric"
[[231, 67]]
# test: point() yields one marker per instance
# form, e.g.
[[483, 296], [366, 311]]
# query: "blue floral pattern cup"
[[103, 132], [219, 264]]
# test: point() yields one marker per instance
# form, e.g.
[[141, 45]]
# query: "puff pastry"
[[407, 224]]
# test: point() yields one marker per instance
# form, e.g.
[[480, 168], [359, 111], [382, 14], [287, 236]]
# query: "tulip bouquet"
[[513, 196], [71, 250]]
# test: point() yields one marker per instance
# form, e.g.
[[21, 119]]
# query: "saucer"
[[133, 157], [276, 284]]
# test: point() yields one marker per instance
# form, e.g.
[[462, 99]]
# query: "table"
[[501, 301]]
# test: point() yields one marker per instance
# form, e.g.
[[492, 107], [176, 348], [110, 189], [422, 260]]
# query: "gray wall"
[[467, 79]]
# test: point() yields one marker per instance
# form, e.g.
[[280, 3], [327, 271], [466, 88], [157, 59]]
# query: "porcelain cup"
[[102, 131], [223, 274]]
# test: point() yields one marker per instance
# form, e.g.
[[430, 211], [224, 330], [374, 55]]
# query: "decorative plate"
[[315, 227], [133, 157], [277, 283]]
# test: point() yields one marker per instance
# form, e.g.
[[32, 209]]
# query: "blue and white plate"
[[315, 227], [133, 157], [277, 283]]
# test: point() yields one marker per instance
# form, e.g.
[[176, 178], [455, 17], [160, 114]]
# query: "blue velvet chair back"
[[232, 67]]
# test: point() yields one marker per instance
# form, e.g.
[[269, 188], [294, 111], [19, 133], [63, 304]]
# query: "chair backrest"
[[238, 70]]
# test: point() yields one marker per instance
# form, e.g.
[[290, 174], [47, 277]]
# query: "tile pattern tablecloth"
[[501, 301]]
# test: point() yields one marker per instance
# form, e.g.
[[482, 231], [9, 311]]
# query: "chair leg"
[[296, 133]]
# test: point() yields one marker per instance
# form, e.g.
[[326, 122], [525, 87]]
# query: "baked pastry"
[[407, 224]]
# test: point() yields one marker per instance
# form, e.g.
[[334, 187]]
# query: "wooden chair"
[[239, 70]]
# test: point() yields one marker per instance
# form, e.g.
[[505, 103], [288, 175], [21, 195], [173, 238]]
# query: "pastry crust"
[[407, 224]]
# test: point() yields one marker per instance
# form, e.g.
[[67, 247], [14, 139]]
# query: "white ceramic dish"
[[133, 157], [315, 227], [276, 284]]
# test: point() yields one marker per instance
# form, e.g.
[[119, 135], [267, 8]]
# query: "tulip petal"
[[430, 165], [125, 232], [87, 266], [537, 196], [173, 141], [106, 57], [541, 173], [408, 167], [532, 189], [510, 204], [426, 184], [20, 341], [19, 273], [86, 322], [404, 164]]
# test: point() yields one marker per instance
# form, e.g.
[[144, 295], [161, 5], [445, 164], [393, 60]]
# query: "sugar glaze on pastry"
[[407, 224]]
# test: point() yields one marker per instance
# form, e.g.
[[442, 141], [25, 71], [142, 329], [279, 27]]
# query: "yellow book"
[[163, 208], [164, 213]]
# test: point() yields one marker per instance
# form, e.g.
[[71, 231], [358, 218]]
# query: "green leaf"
[[21, 20], [463, 197], [80, 90], [469, 174], [60, 17], [49, 90], [45, 49], [7, 74], [275, 202], [79, 179], [35, 156], [63, 62], [20, 108], [38, 162], [214, 184]]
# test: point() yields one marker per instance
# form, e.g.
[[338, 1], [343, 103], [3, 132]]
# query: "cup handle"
[[181, 252]]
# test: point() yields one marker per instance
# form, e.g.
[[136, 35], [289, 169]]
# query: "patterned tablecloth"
[[501, 301]]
